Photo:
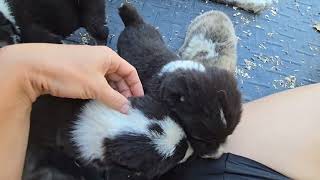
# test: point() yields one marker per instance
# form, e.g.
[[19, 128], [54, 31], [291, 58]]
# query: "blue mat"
[[278, 49]]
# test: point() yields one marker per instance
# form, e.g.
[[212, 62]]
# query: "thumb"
[[113, 98]]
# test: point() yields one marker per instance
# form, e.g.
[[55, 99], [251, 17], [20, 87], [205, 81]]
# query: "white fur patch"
[[188, 154], [223, 118], [217, 154], [182, 64], [166, 143], [97, 122], [6, 11], [199, 43]]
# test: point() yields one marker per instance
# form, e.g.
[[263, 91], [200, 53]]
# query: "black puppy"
[[52, 20], [204, 100]]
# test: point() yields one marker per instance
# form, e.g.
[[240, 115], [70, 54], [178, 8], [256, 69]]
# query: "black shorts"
[[228, 167]]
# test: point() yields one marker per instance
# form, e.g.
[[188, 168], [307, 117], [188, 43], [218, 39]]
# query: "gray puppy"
[[211, 40]]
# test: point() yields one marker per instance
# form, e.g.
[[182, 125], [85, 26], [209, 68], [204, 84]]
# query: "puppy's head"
[[206, 102]]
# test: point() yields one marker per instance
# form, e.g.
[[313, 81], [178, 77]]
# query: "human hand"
[[75, 71]]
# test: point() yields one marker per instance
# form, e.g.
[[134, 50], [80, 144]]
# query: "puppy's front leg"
[[93, 18]]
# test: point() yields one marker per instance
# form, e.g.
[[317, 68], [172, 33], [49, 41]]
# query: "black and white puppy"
[[145, 143], [204, 100], [188, 109], [52, 20], [141, 145]]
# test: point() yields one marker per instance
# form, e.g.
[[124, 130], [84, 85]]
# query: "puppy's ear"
[[223, 109], [171, 90], [167, 91]]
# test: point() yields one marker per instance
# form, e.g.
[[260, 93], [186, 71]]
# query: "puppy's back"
[[142, 45]]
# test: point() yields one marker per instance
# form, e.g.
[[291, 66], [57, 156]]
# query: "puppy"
[[211, 40], [51, 21], [255, 6], [188, 109], [143, 144], [203, 99]]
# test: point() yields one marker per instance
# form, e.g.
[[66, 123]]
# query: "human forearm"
[[14, 131], [15, 110]]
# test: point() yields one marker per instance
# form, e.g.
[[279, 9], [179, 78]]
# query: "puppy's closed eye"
[[177, 98]]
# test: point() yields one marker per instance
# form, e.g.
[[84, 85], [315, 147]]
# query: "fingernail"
[[124, 109]]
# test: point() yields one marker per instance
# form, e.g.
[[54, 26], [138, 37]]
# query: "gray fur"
[[255, 6], [217, 29]]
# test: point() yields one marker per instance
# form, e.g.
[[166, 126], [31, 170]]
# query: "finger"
[[124, 89], [127, 72], [113, 98], [121, 85], [113, 85], [134, 83]]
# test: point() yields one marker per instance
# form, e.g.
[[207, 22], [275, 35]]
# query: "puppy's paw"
[[216, 155], [98, 31]]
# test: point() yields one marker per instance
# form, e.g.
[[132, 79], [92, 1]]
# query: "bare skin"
[[30, 70], [282, 131]]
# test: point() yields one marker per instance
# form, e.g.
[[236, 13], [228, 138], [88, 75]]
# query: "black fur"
[[133, 155], [136, 153], [155, 128], [120, 173], [204, 93], [52, 20], [141, 45], [152, 108], [50, 154], [8, 33], [49, 164]]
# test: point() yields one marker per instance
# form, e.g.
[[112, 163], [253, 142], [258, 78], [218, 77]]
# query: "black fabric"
[[228, 167]]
